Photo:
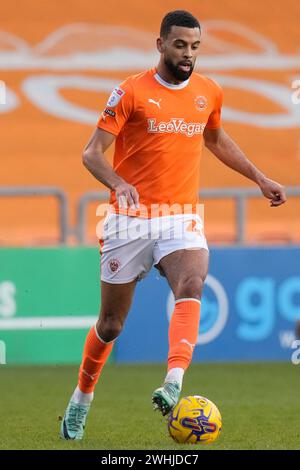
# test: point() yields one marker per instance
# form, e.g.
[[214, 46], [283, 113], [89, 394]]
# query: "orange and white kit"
[[159, 137], [130, 246]]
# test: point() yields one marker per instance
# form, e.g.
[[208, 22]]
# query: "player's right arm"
[[94, 160]]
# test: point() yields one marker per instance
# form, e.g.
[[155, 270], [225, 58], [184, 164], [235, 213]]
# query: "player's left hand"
[[273, 191]]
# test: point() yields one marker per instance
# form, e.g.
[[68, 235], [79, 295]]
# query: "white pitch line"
[[48, 323]]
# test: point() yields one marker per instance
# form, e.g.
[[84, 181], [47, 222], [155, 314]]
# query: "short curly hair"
[[177, 18]]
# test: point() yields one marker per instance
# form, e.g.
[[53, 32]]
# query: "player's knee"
[[190, 286], [109, 329]]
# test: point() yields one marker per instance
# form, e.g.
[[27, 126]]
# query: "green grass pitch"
[[259, 403]]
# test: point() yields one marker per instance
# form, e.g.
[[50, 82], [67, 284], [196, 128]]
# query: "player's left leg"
[[185, 271]]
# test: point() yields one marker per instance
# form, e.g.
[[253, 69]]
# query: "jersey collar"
[[171, 86]]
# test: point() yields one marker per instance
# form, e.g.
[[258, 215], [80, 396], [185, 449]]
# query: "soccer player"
[[159, 118]]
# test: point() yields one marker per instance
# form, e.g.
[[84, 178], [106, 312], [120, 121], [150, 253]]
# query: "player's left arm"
[[228, 152]]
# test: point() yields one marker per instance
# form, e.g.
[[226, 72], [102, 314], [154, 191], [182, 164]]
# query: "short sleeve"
[[118, 109], [214, 120]]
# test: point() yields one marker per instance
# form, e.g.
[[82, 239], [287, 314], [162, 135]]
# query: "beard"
[[176, 72]]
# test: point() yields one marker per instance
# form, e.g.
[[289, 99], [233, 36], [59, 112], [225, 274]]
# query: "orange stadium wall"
[[59, 61]]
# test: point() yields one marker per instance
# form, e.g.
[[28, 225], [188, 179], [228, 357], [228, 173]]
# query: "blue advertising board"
[[249, 308]]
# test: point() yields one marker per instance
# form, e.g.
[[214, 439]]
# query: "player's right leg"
[[115, 304]]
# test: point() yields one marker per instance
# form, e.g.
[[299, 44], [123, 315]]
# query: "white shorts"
[[130, 246]]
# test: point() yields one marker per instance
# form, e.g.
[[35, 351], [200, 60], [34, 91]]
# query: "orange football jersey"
[[159, 137]]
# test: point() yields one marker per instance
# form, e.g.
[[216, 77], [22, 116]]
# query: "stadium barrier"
[[249, 309], [239, 195], [79, 231], [49, 298], [38, 191]]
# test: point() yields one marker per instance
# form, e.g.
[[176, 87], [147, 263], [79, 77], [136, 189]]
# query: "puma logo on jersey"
[[157, 103], [176, 126]]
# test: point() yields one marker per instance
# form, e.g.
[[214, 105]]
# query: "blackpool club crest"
[[201, 103], [114, 265]]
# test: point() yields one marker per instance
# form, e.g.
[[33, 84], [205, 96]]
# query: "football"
[[195, 420]]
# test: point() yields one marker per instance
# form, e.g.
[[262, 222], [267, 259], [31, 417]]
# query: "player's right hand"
[[127, 195]]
